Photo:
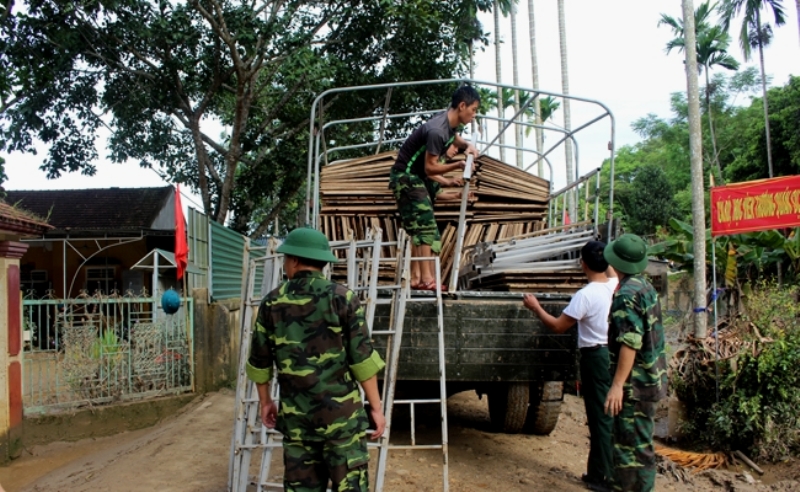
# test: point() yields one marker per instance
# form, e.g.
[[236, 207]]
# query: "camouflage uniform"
[[414, 191], [415, 206], [635, 321], [313, 330]]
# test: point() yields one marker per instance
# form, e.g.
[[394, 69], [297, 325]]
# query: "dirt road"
[[189, 453]]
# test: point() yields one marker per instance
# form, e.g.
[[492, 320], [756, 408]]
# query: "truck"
[[493, 344]]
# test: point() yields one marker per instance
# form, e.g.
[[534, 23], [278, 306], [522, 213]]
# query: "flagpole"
[[181, 259], [714, 295]]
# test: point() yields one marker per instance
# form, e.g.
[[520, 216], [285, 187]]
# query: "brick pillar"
[[10, 347]]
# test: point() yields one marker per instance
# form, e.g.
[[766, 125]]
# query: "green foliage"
[[754, 21], [650, 202], [740, 139], [759, 388], [755, 255], [106, 343], [749, 143], [157, 74]]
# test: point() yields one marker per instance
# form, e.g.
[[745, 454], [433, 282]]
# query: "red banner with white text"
[[755, 206]]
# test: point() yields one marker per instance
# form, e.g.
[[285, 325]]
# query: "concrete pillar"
[[10, 349]]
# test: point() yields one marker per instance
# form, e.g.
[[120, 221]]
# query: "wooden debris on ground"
[[689, 459]]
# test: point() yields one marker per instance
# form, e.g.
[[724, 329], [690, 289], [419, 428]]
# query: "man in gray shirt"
[[417, 173]]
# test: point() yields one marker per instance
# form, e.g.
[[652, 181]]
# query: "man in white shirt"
[[589, 308]]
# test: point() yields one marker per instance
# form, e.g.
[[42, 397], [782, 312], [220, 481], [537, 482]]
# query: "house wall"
[[10, 347], [49, 256]]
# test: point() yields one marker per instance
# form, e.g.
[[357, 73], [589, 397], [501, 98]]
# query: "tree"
[[748, 147], [797, 4], [535, 81], [501, 8], [755, 34], [712, 45], [162, 76], [650, 203], [696, 151], [548, 106], [562, 31], [498, 66], [515, 79]]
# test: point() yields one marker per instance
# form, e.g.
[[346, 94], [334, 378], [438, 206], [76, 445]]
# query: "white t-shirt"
[[590, 307]]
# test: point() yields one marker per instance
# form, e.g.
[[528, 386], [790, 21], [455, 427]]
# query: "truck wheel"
[[508, 407], [545, 407]]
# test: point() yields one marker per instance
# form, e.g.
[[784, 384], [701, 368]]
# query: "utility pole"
[[698, 189]]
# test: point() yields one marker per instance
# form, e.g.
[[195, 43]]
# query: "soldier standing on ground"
[[313, 331], [638, 363], [589, 308], [412, 178]]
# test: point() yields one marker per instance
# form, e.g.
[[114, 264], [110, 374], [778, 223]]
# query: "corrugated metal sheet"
[[227, 262], [197, 232]]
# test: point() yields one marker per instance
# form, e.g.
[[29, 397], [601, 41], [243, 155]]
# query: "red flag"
[[566, 218], [181, 246]]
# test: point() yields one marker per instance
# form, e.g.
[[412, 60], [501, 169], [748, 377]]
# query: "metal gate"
[[101, 349]]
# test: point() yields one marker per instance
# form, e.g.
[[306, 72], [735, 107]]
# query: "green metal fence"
[[227, 265], [101, 349]]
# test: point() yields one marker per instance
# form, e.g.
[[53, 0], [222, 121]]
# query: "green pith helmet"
[[628, 254], [307, 243]]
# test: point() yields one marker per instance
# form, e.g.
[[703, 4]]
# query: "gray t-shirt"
[[433, 137]]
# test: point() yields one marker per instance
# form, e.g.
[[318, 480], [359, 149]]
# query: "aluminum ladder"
[[401, 297], [363, 261], [263, 274]]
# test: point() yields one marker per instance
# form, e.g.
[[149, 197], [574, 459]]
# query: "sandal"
[[431, 286]]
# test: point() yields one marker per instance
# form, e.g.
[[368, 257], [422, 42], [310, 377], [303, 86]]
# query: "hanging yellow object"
[[730, 267]]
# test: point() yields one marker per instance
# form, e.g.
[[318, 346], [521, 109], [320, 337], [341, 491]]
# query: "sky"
[[615, 55]]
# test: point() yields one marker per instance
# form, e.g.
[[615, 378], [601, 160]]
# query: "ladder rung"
[[274, 444], [422, 299], [420, 401], [384, 332], [415, 446], [383, 301], [275, 485]]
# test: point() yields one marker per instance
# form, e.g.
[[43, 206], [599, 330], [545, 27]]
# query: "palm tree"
[[515, 79], [755, 34], [562, 31], [712, 45], [696, 153], [548, 105], [499, 75], [797, 3], [501, 8], [535, 73]]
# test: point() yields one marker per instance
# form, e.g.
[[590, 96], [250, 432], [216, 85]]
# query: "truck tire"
[[545, 407], [508, 407]]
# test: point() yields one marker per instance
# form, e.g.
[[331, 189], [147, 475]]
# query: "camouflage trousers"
[[310, 464], [416, 209], [634, 455]]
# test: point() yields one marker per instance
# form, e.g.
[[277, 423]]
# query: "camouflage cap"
[[627, 254], [307, 243]]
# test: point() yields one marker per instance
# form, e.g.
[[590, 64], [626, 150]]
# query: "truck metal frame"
[[493, 344]]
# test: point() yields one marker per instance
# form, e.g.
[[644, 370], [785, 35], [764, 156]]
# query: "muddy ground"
[[189, 453]]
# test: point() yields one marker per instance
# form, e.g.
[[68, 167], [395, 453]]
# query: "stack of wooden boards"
[[508, 202]]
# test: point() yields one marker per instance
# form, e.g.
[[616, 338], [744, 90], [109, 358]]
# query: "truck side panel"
[[485, 340]]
